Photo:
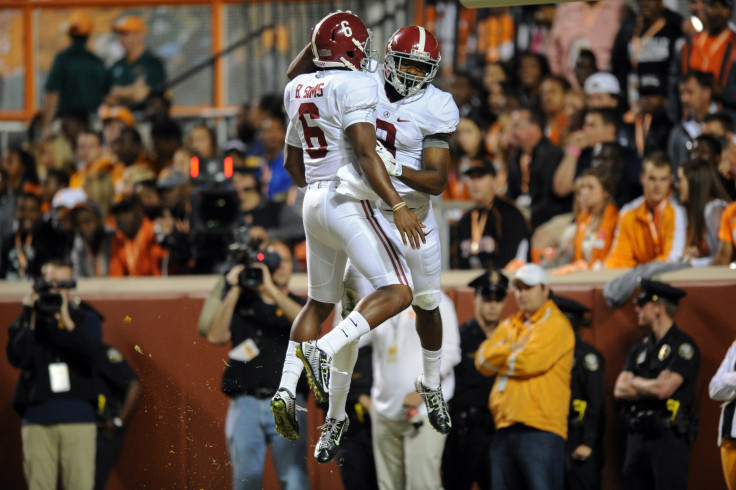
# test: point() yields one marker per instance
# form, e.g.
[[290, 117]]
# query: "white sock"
[[349, 330], [431, 358], [293, 368], [343, 362]]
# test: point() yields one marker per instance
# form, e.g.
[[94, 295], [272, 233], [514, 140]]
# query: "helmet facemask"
[[397, 74]]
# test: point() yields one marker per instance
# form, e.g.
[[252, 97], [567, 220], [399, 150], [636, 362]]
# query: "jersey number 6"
[[312, 132]]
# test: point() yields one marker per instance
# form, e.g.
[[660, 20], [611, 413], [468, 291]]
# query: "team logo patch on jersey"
[[664, 351], [591, 362], [114, 355], [686, 351], [641, 357]]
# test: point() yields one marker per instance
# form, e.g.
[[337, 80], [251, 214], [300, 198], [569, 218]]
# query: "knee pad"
[[428, 301]]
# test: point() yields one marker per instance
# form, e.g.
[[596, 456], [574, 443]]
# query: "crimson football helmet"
[[413, 45], [341, 40]]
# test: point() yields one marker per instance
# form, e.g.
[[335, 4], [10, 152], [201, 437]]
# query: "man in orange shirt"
[[531, 355], [727, 236], [134, 250], [651, 227]]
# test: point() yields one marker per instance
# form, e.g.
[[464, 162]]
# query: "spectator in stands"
[[145, 188], [585, 66], [250, 118], [90, 255], [652, 227], [89, 151], [712, 51], [625, 168], [718, 124], [280, 185], [406, 448], [710, 149], [727, 237], [76, 81], [704, 199], [583, 25], [166, 140], [646, 46], [493, 233], [652, 125], [54, 181], [33, 243], [114, 120], [131, 79], [173, 226], [128, 149], [201, 142], [55, 396], [552, 96], [237, 150], [158, 107], [467, 449], [266, 220], [17, 175], [532, 167], [696, 97], [595, 222], [134, 250], [602, 91], [467, 144], [462, 86], [530, 72]]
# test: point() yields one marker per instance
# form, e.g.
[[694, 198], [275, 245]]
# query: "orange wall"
[[176, 437]]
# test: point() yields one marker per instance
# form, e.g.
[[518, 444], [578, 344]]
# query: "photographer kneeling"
[[256, 315], [54, 342]]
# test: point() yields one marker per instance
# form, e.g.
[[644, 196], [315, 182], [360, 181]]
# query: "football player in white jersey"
[[414, 122], [332, 132]]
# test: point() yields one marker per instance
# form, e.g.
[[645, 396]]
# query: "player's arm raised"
[[362, 137], [302, 63]]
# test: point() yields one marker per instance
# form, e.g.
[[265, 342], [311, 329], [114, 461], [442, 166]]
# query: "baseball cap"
[[727, 3], [650, 84], [655, 291], [170, 178], [531, 275], [68, 197], [129, 23], [80, 24], [236, 146], [118, 112], [602, 83], [480, 167], [490, 284], [123, 202]]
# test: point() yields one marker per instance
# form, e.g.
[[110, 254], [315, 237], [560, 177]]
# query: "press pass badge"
[[59, 377], [245, 351]]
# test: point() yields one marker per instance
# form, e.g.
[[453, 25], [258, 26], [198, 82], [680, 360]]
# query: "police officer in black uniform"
[[657, 386], [584, 445], [466, 457]]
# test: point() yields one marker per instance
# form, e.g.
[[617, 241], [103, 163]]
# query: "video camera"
[[245, 255], [49, 302]]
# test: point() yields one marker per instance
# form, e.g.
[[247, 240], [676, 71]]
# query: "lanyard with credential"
[[655, 220], [22, 259], [131, 256], [477, 225], [639, 42]]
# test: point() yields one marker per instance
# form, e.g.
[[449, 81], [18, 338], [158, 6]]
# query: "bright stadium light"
[[474, 4]]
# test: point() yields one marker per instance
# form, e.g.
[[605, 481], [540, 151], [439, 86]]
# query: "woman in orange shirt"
[[595, 221]]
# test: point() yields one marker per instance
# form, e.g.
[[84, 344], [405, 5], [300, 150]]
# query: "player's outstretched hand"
[[409, 226]]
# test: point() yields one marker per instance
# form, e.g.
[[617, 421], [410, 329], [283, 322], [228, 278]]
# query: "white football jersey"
[[320, 107], [402, 126]]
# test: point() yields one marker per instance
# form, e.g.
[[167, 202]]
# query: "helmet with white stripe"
[[341, 40], [415, 46]]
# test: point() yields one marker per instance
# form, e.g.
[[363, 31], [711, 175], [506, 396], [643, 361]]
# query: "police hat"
[[655, 291], [572, 309], [492, 284]]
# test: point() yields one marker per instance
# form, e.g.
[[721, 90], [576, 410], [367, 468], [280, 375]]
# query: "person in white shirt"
[[723, 389]]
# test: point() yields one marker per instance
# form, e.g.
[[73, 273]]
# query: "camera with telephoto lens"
[[49, 302], [253, 276]]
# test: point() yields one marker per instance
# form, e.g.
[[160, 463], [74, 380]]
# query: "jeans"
[[249, 429], [524, 457]]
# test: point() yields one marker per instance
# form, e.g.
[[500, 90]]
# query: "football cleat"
[[317, 365], [329, 440], [437, 412], [283, 408]]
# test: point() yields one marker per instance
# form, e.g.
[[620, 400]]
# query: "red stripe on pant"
[[392, 254]]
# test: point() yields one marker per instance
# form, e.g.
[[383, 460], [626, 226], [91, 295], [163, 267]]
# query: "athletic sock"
[[343, 362], [349, 330], [431, 358], [293, 368]]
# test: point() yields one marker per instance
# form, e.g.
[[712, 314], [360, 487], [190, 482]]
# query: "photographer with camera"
[[56, 343], [255, 314]]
